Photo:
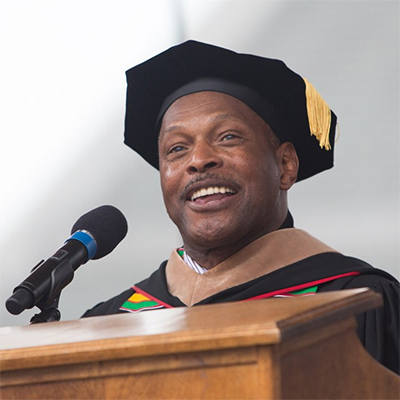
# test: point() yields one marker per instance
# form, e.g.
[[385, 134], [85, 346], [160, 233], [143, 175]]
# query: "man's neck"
[[210, 257]]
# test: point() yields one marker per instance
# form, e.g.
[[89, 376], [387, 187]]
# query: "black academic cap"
[[287, 102]]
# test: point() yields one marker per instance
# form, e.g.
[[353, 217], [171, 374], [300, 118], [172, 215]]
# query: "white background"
[[62, 97]]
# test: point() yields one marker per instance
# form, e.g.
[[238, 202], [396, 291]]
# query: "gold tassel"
[[319, 115]]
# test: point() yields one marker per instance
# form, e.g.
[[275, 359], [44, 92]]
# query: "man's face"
[[219, 169]]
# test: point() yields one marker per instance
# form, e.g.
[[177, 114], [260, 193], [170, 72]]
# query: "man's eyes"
[[229, 136], [175, 149], [232, 136]]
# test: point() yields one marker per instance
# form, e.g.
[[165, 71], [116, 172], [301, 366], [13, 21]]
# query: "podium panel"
[[279, 348]]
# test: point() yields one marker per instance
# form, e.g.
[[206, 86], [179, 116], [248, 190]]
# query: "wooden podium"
[[280, 348]]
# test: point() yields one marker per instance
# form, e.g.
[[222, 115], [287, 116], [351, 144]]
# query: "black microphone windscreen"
[[107, 225]]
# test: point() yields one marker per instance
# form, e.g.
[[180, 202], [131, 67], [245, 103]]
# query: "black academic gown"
[[378, 329]]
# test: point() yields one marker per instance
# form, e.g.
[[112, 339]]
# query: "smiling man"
[[223, 175], [230, 134]]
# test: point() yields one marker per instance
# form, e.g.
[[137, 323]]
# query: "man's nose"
[[204, 157]]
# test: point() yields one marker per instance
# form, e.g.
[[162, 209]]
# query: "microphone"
[[94, 235]]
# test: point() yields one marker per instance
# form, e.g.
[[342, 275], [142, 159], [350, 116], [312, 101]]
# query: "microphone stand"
[[49, 311]]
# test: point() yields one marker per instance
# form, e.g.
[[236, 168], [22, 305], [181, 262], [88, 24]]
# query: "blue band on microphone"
[[86, 239]]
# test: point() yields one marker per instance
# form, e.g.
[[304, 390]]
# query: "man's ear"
[[289, 165]]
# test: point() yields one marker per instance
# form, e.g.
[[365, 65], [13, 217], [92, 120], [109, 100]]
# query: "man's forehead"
[[170, 126], [211, 105]]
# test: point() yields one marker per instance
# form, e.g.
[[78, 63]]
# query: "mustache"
[[206, 177]]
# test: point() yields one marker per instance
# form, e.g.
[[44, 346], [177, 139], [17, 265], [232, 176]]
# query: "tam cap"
[[288, 103]]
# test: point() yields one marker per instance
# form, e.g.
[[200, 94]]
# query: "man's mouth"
[[211, 190]]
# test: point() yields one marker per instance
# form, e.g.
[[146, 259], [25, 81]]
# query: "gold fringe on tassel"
[[319, 115]]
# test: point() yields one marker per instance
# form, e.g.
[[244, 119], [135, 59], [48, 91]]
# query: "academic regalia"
[[319, 272]]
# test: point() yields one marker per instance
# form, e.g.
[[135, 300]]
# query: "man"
[[230, 134]]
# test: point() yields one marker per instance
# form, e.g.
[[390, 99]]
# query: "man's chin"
[[211, 233]]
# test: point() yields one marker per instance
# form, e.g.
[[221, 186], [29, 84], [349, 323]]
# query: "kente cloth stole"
[[139, 302], [142, 301]]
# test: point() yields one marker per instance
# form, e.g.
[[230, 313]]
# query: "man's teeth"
[[210, 190]]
